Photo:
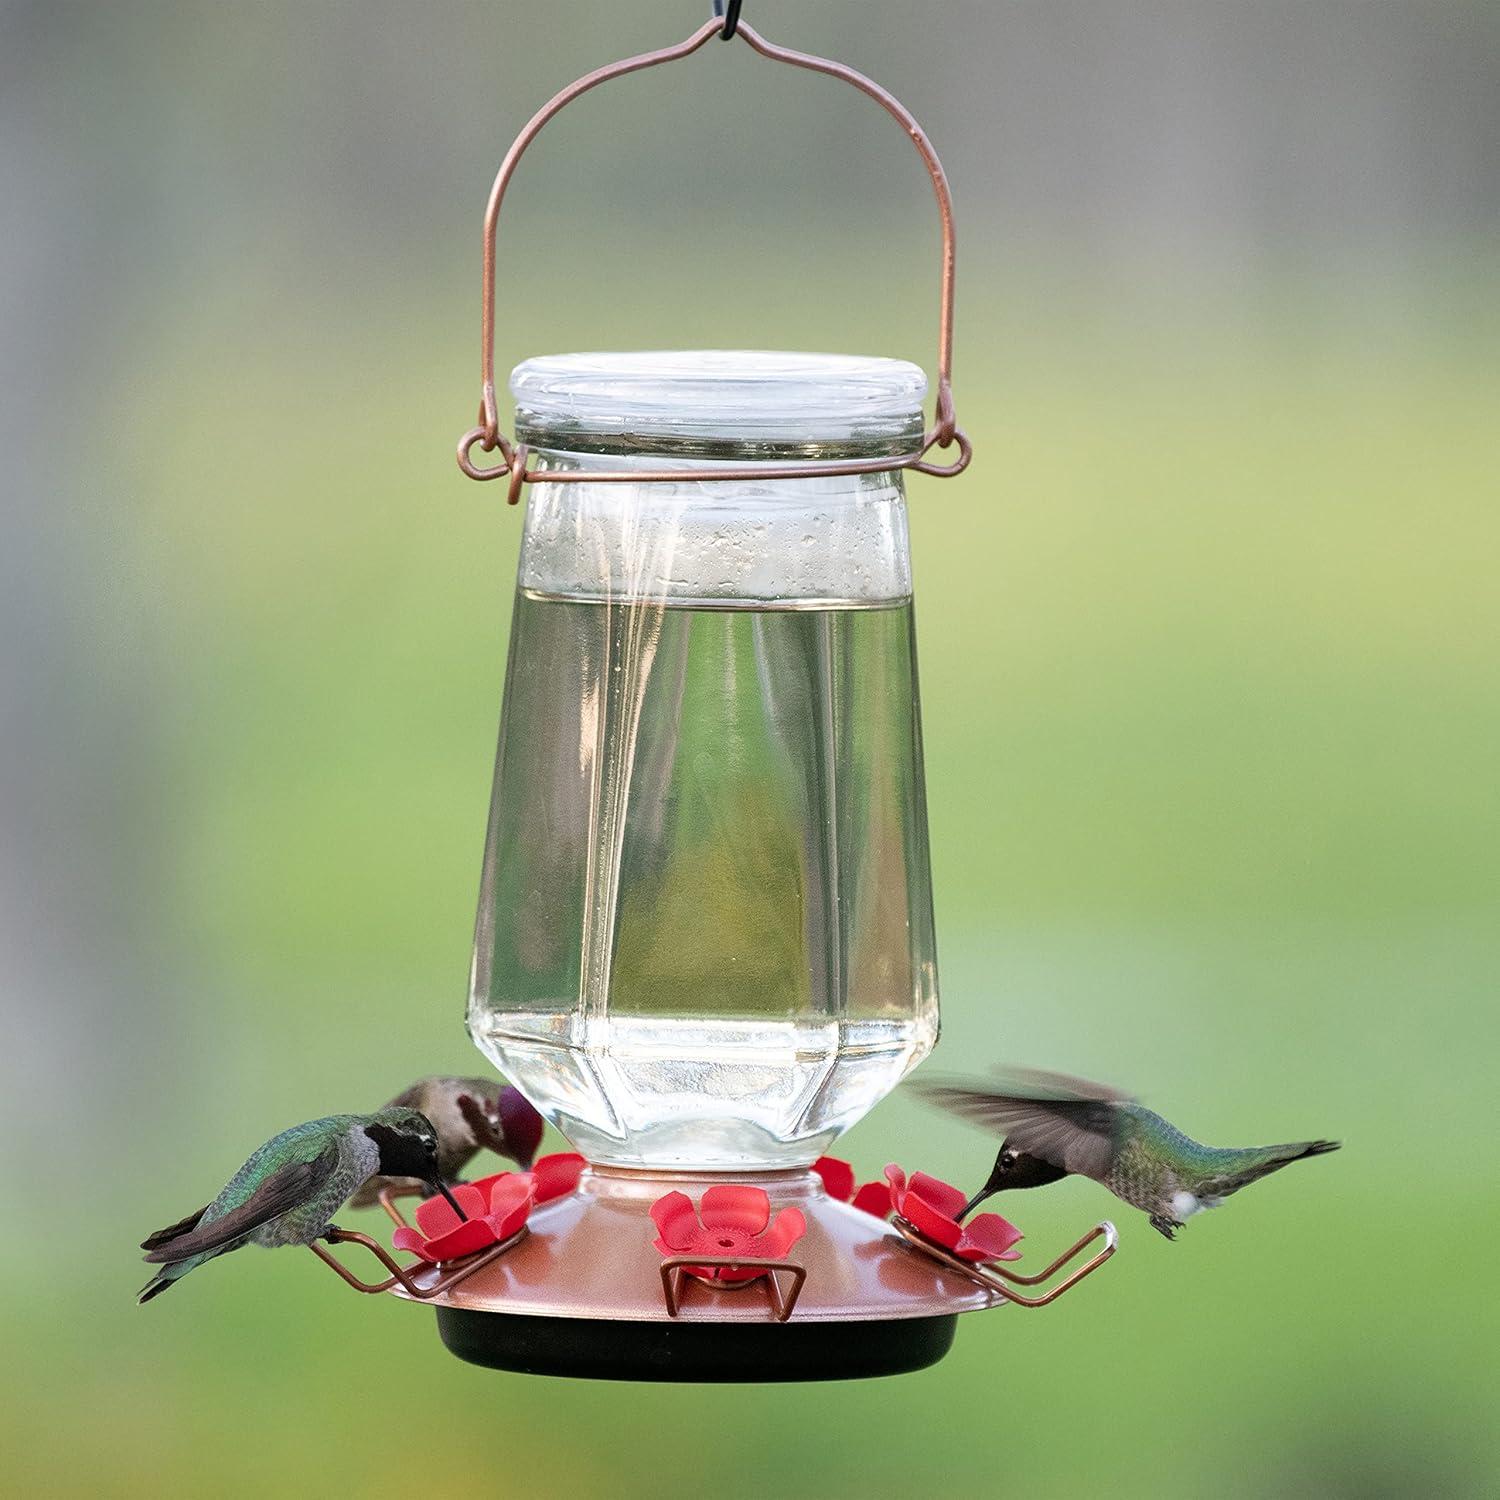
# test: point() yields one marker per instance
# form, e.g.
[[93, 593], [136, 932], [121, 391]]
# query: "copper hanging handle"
[[943, 433]]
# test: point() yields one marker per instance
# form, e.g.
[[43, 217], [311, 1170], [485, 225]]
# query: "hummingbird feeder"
[[705, 939]]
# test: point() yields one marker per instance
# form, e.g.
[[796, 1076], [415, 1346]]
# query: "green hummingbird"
[[289, 1190], [1053, 1126], [469, 1115]]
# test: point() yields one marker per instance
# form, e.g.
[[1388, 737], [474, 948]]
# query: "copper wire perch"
[[782, 1303], [401, 1275], [943, 433], [996, 1278]]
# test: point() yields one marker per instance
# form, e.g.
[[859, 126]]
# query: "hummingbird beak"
[[442, 1187]]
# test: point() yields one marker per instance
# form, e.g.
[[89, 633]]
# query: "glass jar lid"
[[720, 403]]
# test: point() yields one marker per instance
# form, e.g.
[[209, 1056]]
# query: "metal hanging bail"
[[725, 24]]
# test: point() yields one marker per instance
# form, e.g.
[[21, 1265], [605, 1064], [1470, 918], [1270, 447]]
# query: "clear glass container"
[[705, 929]]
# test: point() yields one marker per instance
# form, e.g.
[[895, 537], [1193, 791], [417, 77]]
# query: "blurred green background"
[[1209, 653]]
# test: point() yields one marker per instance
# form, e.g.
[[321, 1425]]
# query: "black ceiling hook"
[[731, 14]]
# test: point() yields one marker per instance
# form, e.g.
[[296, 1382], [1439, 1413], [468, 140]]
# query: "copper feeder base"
[[586, 1293], [582, 1291]]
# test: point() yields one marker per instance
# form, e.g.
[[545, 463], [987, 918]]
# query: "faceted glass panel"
[[705, 929]]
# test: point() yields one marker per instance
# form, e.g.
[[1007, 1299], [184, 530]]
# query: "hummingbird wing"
[[1038, 1083], [173, 1231], [283, 1189], [1069, 1122]]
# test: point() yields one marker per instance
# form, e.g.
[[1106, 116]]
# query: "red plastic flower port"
[[932, 1207], [552, 1177], [733, 1220], [838, 1182], [557, 1175], [497, 1207]]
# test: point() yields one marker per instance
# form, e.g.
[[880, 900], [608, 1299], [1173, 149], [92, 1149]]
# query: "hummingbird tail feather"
[[154, 1288], [1317, 1148], [1284, 1156], [1272, 1159], [164, 1278]]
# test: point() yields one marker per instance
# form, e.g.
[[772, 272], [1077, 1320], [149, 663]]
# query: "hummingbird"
[[469, 1115], [289, 1190], [1053, 1126]]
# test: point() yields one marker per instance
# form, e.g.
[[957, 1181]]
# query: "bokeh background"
[[1209, 636]]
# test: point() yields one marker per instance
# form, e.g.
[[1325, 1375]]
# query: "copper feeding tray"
[[584, 1291]]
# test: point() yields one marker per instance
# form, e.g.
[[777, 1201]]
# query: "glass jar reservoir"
[[705, 929]]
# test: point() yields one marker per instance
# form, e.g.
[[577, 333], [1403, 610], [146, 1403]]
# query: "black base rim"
[[721, 1353]]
